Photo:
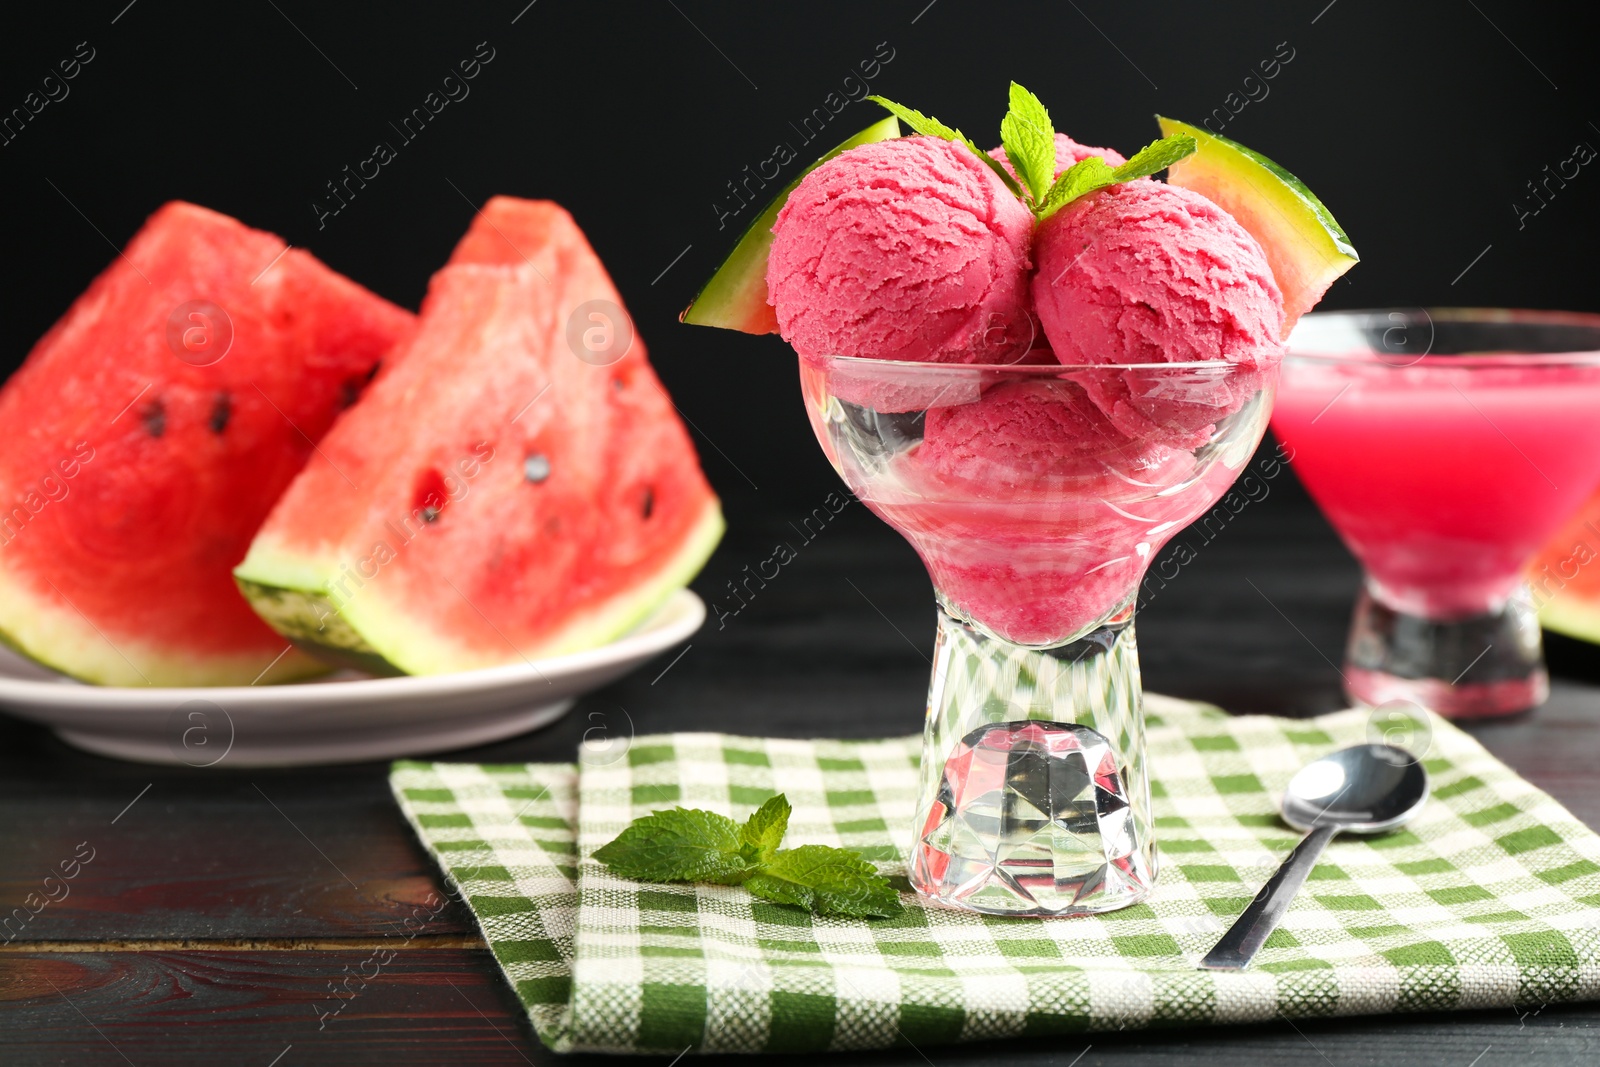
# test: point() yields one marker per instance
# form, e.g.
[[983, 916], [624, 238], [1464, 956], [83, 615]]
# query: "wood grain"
[[448, 1005]]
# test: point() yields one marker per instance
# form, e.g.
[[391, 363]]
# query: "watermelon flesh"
[[1564, 579], [493, 498], [133, 479]]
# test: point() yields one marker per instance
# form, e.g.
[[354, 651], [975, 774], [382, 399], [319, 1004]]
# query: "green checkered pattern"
[[1490, 899]]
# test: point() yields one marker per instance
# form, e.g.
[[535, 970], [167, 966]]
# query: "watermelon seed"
[[155, 417], [536, 468], [221, 412], [430, 496], [349, 393], [649, 501]]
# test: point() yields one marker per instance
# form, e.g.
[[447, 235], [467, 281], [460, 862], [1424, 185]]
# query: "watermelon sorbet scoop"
[[910, 249], [1150, 273]]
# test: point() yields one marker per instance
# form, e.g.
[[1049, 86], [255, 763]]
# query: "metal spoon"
[[1365, 789]]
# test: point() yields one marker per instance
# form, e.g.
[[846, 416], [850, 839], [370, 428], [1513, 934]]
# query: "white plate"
[[341, 718]]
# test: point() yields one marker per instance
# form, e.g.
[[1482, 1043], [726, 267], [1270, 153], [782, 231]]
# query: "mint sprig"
[[932, 127], [1029, 140], [1087, 175], [690, 845], [763, 832]]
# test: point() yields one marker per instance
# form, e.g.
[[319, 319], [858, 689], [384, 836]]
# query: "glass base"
[[1476, 667], [1034, 796]]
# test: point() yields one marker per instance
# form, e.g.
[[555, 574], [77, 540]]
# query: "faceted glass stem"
[[1034, 794], [1485, 665]]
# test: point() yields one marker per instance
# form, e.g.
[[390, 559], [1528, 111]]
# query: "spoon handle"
[[1249, 931]]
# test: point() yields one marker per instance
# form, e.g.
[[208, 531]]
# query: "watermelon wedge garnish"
[[148, 435], [736, 296], [1564, 578], [1306, 247], [517, 485]]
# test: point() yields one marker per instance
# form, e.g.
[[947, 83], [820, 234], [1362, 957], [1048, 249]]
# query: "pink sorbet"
[[910, 249], [1147, 272], [1040, 428], [1029, 508]]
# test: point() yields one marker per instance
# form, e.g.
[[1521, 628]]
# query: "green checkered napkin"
[[1489, 900]]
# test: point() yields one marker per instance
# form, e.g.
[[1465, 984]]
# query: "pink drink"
[[1442, 473], [1443, 481]]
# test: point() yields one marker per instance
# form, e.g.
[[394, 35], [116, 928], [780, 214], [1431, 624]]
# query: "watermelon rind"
[[62, 639], [1305, 245], [309, 619], [368, 633], [1566, 615], [736, 296]]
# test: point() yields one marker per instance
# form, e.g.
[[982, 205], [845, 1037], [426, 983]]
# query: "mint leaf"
[[689, 845], [1029, 139], [759, 838], [1157, 156], [929, 126], [926, 125], [828, 881], [780, 891], [1093, 173], [1080, 179], [680, 845]]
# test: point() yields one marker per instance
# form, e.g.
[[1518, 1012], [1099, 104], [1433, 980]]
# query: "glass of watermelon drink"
[[1445, 447], [1036, 519]]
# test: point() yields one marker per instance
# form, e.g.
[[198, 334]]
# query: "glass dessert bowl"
[[1036, 513], [1446, 447], [1038, 364]]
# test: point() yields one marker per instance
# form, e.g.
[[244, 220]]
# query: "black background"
[[1417, 123]]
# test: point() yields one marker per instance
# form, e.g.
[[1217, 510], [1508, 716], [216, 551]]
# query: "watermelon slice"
[[148, 435], [1306, 247], [1565, 577], [516, 485], [736, 296]]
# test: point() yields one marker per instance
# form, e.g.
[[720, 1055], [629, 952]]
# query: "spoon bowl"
[[1364, 789]]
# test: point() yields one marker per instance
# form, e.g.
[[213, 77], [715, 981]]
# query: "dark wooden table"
[[219, 905]]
